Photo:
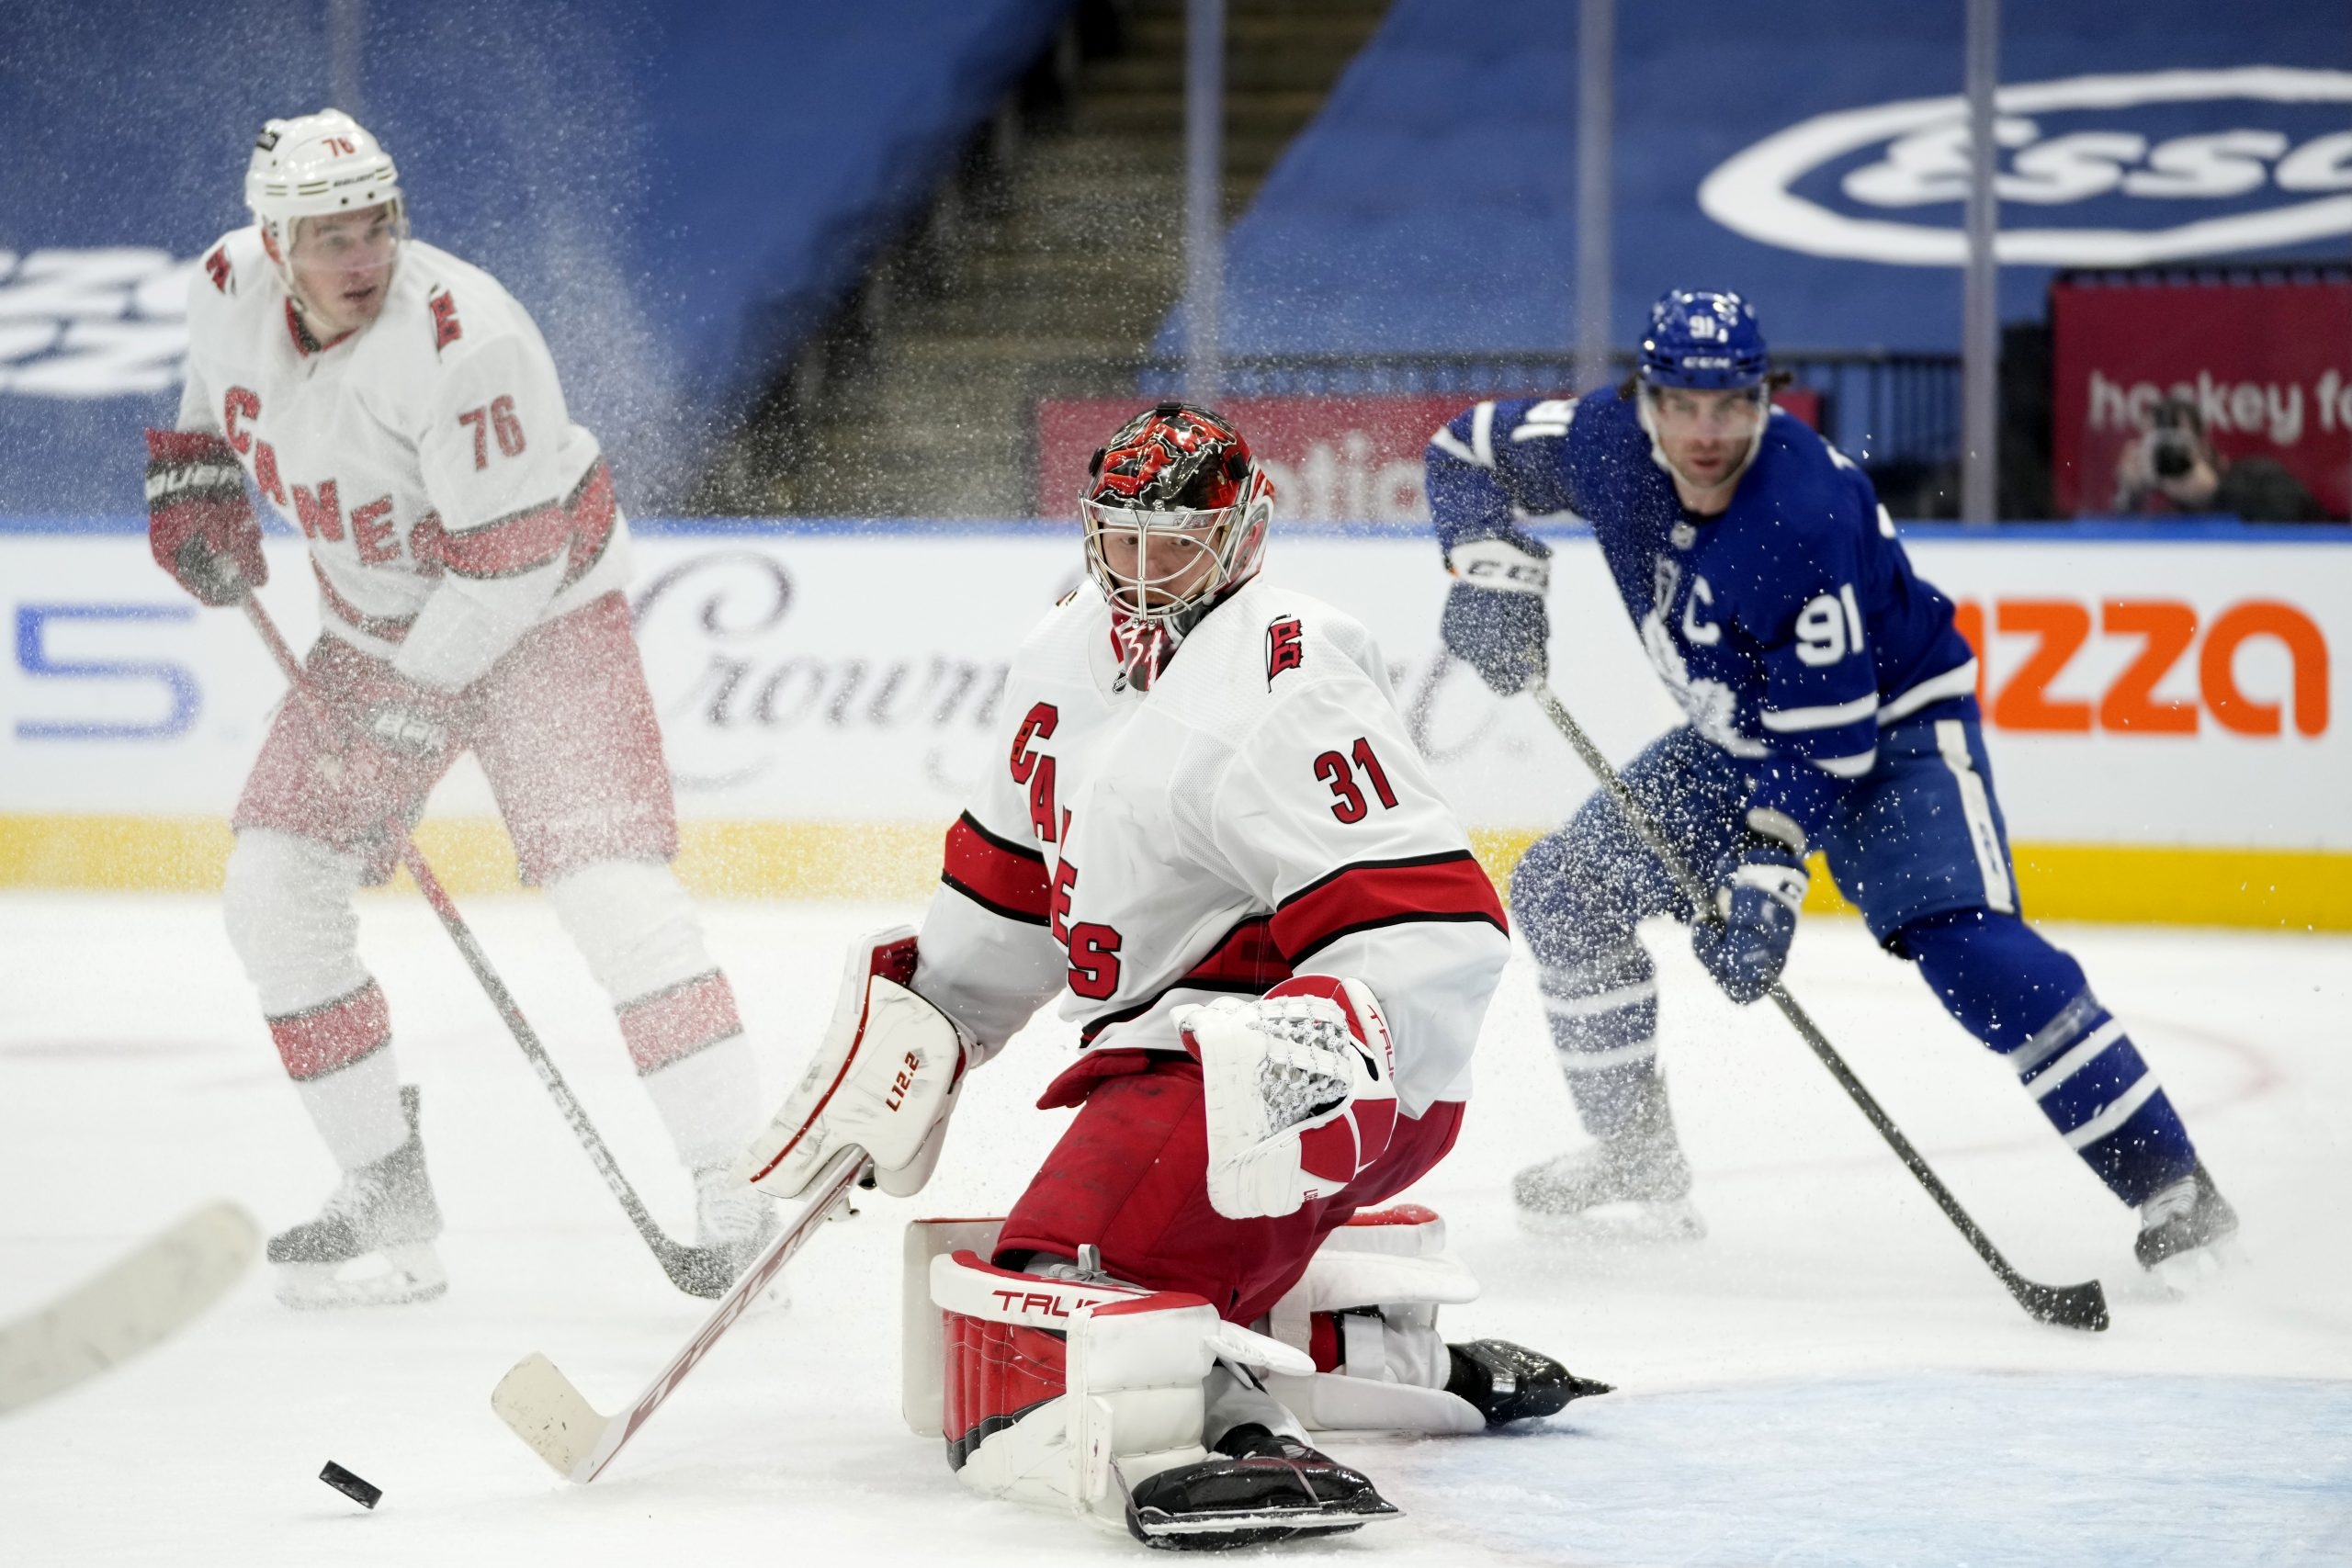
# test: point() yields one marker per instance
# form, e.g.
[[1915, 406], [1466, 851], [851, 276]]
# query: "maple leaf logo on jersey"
[[1283, 651]]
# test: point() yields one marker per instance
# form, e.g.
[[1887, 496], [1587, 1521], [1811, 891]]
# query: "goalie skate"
[[372, 1243], [1258, 1489]]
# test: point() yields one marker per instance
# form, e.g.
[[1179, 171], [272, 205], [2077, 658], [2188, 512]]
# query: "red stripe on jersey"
[[386, 628], [1000, 875], [594, 513], [513, 543], [1386, 893], [1245, 960], [318, 1040], [672, 1024], [583, 521], [1247, 957]]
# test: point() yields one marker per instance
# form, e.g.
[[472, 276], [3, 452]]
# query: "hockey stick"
[[539, 1406], [2070, 1306], [697, 1270], [139, 1301]]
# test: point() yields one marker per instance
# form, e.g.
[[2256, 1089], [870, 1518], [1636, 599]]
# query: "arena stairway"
[[1044, 264]]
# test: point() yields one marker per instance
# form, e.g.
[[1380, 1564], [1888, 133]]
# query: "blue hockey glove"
[[1494, 618], [1743, 940]]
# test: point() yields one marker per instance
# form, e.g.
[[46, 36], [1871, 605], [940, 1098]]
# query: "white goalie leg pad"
[[1065, 1394], [922, 1360], [885, 1078], [1370, 1296]]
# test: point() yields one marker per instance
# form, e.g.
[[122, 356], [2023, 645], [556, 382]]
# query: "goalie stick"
[[697, 1270], [2069, 1306], [134, 1303], [539, 1406]]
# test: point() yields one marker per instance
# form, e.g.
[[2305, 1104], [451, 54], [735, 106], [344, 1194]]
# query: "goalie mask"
[[314, 166], [1176, 511]]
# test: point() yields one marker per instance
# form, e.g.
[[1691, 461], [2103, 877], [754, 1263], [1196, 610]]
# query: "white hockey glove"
[[884, 1079], [1299, 1088]]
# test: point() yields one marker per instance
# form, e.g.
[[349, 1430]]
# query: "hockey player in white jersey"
[[398, 408], [1204, 826]]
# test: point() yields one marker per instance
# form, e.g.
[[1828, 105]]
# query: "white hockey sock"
[[357, 1108], [708, 1102], [637, 927]]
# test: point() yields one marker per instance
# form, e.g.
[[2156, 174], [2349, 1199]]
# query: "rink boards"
[[2160, 704]]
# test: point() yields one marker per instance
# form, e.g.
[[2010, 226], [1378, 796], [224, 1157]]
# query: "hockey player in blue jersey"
[[1830, 704]]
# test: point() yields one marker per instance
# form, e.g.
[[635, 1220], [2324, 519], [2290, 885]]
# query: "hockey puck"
[[350, 1486]]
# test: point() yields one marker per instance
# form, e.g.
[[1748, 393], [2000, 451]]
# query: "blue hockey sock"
[[1603, 1015], [2030, 1001]]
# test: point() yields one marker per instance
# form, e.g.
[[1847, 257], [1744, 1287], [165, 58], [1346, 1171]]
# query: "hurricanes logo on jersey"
[[446, 330], [1282, 648]]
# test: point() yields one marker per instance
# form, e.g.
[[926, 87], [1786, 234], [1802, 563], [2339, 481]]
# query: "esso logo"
[[2093, 171]]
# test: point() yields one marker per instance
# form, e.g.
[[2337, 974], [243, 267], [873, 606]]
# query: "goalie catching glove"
[[884, 1080], [1299, 1089]]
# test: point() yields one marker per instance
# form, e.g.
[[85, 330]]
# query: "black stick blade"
[[2082, 1306]]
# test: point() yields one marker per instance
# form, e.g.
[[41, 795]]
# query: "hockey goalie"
[[1204, 824]]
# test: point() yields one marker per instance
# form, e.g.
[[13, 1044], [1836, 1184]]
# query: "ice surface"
[[1829, 1378]]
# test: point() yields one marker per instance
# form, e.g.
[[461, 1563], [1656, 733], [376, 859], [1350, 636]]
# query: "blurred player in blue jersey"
[[1830, 704]]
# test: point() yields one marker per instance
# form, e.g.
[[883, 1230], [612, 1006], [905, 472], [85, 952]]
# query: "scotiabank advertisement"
[[2138, 692], [2266, 365]]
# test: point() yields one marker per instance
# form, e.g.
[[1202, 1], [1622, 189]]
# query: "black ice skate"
[[2181, 1229], [383, 1209], [1263, 1488], [1633, 1186], [1510, 1383]]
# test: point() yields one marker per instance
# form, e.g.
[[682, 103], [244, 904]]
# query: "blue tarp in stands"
[[1430, 207], [678, 192]]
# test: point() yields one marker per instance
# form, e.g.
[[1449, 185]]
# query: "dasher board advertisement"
[[2146, 691]]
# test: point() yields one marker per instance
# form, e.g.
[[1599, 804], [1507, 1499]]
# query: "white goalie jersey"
[[1259, 811], [449, 502]]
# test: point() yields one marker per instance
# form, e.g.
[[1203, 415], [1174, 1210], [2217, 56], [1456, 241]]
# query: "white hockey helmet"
[[312, 165]]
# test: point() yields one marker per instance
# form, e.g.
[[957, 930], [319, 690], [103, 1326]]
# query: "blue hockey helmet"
[[1702, 338]]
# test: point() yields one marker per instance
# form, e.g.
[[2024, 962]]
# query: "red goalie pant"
[[1130, 1177], [563, 725]]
